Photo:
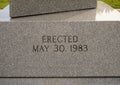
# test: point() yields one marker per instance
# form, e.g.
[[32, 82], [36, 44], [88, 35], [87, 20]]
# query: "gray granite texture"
[[96, 30], [33, 7], [60, 81]]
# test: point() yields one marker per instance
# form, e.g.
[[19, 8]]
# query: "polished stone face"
[[73, 44], [33, 7]]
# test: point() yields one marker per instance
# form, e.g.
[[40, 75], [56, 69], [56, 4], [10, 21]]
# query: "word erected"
[[59, 39]]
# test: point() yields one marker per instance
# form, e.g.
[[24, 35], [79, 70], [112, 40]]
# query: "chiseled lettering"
[[40, 48], [60, 39]]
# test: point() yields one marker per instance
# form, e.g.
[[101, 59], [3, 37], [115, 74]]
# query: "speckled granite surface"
[[60, 81], [33, 7], [89, 44]]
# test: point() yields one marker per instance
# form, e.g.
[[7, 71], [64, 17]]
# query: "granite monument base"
[[60, 81], [72, 44], [32, 7]]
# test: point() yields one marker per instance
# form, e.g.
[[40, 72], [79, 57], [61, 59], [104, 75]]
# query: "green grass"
[[3, 3], [113, 3]]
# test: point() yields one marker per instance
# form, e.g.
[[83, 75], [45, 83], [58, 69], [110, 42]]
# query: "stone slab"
[[33, 7], [79, 44], [60, 81]]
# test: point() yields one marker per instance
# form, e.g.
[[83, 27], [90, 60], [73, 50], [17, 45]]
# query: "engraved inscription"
[[61, 43]]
